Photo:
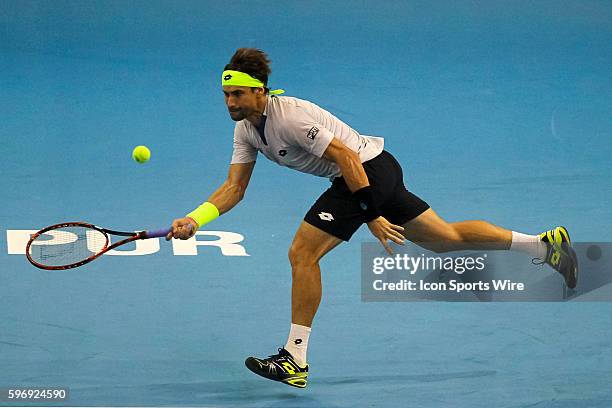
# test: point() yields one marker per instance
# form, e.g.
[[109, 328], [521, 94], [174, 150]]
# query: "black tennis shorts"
[[337, 212]]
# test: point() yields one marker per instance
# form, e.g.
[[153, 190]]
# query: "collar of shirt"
[[262, 125]]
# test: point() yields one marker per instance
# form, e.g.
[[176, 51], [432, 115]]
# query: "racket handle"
[[158, 233]]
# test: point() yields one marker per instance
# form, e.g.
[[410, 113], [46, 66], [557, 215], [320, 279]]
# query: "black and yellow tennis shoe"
[[560, 255], [279, 367]]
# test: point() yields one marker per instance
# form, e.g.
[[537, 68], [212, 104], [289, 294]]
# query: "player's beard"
[[238, 115]]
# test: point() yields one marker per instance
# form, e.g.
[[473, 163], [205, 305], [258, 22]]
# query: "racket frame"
[[131, 236]]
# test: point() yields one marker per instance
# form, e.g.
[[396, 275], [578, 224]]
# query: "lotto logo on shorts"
[[326, 216], [312, 132]]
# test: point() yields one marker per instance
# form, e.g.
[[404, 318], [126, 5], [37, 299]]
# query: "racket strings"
[[67, 245]]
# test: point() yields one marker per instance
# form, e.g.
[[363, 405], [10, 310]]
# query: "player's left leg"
[[434, 233], [309, 245], [551, 247], [425, 228]]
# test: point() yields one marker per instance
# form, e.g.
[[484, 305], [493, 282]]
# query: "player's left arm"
[[357, 181], [349, 163]]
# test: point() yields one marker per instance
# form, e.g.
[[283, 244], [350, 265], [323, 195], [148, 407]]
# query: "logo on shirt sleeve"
[[312, 132]]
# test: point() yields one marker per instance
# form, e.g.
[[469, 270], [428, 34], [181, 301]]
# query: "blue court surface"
[[497, 110]]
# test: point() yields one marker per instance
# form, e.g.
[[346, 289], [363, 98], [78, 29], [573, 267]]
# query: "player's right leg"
[[309, 245]]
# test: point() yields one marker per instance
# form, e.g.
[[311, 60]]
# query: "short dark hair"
[[251, 61]]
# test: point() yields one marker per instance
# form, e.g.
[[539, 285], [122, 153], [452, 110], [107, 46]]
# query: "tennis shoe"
[[279, 367], [560, 255]]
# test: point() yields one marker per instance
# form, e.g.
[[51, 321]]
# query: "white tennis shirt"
[[295, 135]]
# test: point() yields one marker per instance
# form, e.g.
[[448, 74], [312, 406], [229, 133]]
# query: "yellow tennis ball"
[[141, 154]]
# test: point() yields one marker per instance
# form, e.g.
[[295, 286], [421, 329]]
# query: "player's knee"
[[300, 256], [437, 247], [450, 240], [454, 235]]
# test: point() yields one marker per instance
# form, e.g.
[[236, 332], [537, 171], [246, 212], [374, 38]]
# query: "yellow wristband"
[[204, 213]]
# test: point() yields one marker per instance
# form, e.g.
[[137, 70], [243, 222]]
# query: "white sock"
[[297, 343], [530, 244]]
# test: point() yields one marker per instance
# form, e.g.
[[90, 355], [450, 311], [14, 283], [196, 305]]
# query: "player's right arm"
[[224, 198], [232, 190]]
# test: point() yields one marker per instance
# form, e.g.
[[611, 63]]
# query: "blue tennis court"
[[497, 111]]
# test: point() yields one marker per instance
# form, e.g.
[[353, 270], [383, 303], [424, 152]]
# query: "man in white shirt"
[[367, 187]]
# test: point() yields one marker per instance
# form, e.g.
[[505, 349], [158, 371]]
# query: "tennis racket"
[[73, 244]]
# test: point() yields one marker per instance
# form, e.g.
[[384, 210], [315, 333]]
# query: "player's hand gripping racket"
[[72, 244]]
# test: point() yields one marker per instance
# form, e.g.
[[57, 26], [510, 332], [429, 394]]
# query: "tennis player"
[[367, 188]]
